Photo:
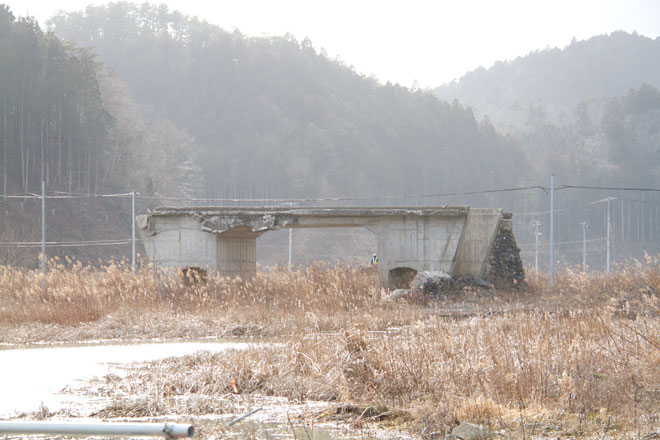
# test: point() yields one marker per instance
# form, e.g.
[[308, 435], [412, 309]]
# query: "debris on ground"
[[438, 283], [358, 414], [503, 270], [400, 294], [467, 431], [432, 281]]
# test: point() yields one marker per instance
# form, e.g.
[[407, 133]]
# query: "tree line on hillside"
[[613, 141], [609, 143], [66, 120], [51, 113], [602, 66], [590, 115], [274, 117], [175, 106]]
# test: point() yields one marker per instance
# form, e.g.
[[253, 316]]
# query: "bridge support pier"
[[237, 254]]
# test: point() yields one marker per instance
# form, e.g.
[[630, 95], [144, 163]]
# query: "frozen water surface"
[[30, 377]]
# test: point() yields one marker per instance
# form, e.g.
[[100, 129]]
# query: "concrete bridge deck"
[[457, 239]]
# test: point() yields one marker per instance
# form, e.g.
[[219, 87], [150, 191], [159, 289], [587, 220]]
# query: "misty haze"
[[115, 111]]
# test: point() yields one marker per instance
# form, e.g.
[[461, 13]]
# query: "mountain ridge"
[[274, 113], [603, 66]]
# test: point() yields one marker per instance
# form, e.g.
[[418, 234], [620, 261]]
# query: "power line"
[[63, 195], [524, 214], [71, 195], [563, 242], [89, 196], [607, 188], [29, 244], [531, 253], [91, 244], [60, 195], [579, 251], [644, 202], [337, 199]]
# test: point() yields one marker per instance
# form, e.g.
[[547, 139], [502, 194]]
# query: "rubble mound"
[[432, 282], [505, 268], [436, 283]]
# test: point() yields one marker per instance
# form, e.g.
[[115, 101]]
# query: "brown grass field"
[[581, 361]]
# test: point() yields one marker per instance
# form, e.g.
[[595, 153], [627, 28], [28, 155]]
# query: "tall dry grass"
[[319, 297], [571, 373], [72, 293], [574, 373], [582, 358]]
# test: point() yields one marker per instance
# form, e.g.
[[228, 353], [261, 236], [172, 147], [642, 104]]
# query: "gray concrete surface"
[[476, 241]]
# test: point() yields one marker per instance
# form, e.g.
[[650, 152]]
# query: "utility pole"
[[552, 232], [43, 235], [609, 229], [290, 246], [537, 234], [609, 234], [651, 224], [133, 231], [290, 204], [584, 246]]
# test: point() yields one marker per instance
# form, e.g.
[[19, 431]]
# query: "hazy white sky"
[[402, 41]]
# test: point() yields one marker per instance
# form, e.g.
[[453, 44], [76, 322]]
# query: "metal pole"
[[609, 229], [245, 416], [537, 234], [290, 243], [43, 234], [584, 247], [609, 233], [552, 232], [169, 430], [536, 256], [290, 204], [133, 231]]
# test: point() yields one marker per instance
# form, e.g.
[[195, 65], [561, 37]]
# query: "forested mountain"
[[139, 98], [64, 120], [169, 105], [51, 113], [614, 140], [587, 113], [590, 114], [274, 117], [604, 66]]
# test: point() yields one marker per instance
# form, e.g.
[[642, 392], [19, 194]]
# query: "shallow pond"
[[32, 377], [59, 378]]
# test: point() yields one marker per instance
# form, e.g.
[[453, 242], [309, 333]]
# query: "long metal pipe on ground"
[[169, 430]]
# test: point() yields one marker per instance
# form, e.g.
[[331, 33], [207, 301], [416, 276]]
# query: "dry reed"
[[580, 359], [571, 372], [316, 298]]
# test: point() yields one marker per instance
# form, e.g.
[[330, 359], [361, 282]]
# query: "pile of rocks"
[[432, 282], [505, 268], [437, 283]]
